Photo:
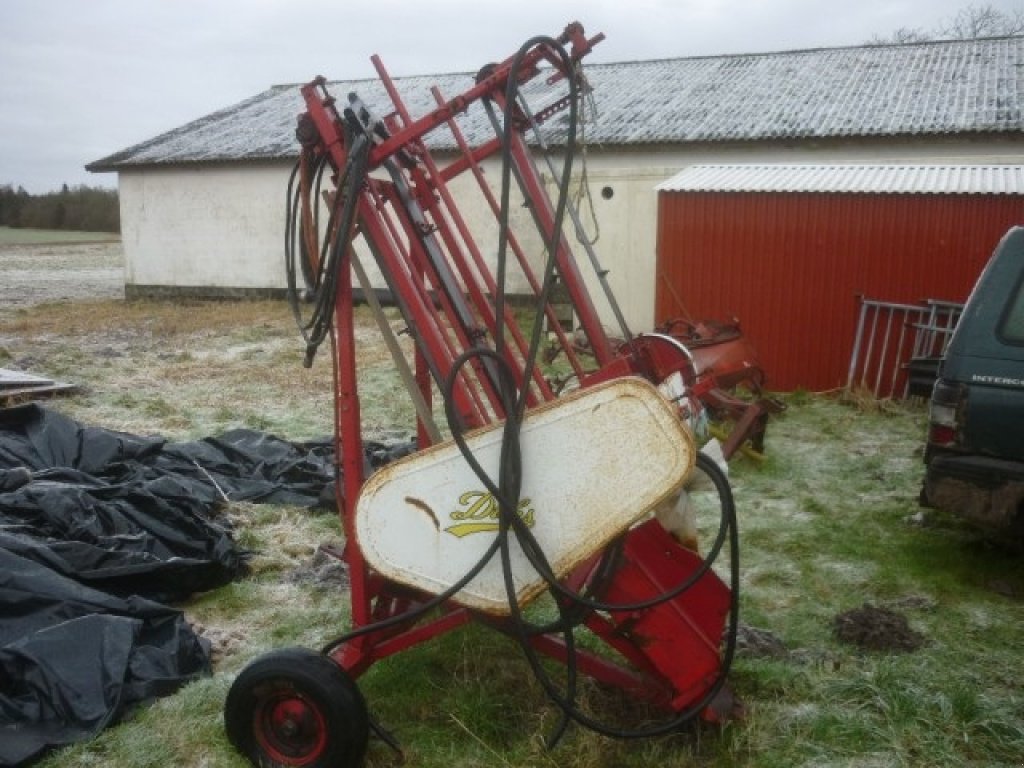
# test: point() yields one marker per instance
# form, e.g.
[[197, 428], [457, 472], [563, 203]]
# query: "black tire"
[[295, 707]]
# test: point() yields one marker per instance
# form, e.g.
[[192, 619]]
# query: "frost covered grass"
[[191, 369], [832, 522], [828, 523], [38, 266]]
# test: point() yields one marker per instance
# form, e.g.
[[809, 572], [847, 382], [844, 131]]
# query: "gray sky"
[[81, 79]]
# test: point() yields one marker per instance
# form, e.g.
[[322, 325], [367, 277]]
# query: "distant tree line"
[[80, 208]]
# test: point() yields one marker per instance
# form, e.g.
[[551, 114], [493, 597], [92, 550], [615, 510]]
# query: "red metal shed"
[[789, 249]]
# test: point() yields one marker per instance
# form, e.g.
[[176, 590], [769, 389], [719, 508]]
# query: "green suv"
[[975, 451]]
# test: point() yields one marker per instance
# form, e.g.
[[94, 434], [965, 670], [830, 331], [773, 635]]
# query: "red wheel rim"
[[290, 729]]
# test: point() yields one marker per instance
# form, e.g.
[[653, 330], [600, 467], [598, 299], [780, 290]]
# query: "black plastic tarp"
[[73, 659], [97, 525]]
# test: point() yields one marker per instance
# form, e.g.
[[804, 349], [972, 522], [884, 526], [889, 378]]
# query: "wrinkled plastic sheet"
[[73, 659], [97, 528]]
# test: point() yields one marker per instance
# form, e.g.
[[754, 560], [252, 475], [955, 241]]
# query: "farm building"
[[792, 250], [203, 206]]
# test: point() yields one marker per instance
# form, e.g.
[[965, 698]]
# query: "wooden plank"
[[19, 384]]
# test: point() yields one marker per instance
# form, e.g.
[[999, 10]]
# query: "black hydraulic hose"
[[572, 606], [437, 600], [340, 225], [293, 230], [509, 473], [290, 221], [507, 489], [565, 702]]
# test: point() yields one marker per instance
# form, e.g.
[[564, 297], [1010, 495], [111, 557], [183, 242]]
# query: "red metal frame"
[[423, 246]]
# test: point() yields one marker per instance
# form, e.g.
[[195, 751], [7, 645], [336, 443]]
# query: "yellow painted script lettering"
[[478, 512]]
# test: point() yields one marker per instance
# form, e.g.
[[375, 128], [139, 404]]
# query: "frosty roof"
[[891, 179], [935, 88]]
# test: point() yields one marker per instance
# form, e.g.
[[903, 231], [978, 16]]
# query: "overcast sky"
[[81, 79]]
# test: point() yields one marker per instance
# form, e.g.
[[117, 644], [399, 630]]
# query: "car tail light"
[[948, 400]]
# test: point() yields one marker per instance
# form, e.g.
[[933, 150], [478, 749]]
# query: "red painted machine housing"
[[687, 628]]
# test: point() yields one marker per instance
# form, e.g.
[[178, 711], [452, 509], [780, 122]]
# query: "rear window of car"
[[1012, 327]]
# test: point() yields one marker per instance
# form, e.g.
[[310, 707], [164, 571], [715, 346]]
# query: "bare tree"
[[901, 36], [982, 21], [971, 22]]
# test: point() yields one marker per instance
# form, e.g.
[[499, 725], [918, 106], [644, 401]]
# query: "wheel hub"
[[292, 730]]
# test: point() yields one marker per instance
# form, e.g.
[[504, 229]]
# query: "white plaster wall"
[[204, 226], [222, 226], [619, 218]]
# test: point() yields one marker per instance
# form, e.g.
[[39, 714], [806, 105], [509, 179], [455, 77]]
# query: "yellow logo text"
[[478, 512]]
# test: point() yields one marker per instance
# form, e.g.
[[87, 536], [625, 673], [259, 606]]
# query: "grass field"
[[12, 236], [828, 523], [45, 272]]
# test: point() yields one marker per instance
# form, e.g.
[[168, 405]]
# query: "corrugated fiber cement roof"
[[877, 179], [934, 88]]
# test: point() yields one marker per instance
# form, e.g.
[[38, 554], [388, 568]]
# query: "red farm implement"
[[520, 493], [725, 363]]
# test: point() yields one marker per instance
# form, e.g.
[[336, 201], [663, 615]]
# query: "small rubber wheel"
[[295, 707]]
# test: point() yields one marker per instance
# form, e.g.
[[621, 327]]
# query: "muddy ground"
[[36, 274]]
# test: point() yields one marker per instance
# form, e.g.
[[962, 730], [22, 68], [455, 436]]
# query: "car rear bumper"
[[988, 492]]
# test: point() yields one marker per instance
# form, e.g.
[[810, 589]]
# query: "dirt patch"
[[877, 629], [223, 643], [759, 643], [324, 570]]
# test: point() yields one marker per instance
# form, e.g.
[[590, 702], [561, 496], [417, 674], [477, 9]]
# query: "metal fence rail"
[[892, 337]]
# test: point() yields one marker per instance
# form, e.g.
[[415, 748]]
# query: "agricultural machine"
[[537, 509]]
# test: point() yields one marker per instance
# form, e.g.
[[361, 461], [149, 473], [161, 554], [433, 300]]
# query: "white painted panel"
[[204, 226], [594, 462]]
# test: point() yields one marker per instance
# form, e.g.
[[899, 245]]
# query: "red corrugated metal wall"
[[790, 266]]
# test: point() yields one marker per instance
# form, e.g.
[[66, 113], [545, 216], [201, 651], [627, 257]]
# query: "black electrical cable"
[[510, 463], [566, 704], [294, 229]]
